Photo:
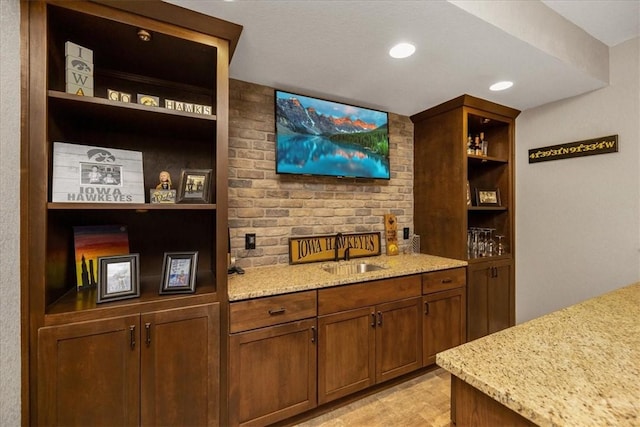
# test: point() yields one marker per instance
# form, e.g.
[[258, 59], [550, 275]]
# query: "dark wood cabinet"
[[272, 373], [346, 353], [273, 358], [491, 289], [448, 180], [186, 60], [180, 366], [398, 338], [90, 373], [444, 308], [367, 334], [149, 369]]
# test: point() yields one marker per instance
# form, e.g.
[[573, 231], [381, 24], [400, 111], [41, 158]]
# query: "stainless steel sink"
[[344, 269]]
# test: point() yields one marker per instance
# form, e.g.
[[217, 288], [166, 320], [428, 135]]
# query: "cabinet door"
[[88, 373], [477, 304], [499, 297], [398, 338], [346, 353], [444, 324], [490, 298], [272, 373], [180, 366]]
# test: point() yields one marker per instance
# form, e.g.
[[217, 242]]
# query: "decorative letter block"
[[79, 90], [148, 100], [79, 69], [72, 49], [113, 95]]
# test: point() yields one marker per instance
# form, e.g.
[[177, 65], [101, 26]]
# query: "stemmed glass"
[[490, 244]]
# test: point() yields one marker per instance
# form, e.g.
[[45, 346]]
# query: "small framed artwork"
[[195, 186], [179, 273], [118, 277], [488, 197]]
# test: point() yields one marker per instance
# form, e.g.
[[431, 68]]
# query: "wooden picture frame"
[[118, 277], [195, 186], [179, 273], [488, 197]]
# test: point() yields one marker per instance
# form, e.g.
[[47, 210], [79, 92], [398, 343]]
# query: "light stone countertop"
[[579, 366], [275, 280]]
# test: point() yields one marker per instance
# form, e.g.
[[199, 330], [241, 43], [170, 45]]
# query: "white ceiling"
[[337, 49]]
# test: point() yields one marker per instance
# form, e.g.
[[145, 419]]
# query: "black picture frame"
[[488, 197], [179, 273], [118, 277], [195, 186]]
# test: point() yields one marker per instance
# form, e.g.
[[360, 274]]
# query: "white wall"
[[9, 213], [578, 220]]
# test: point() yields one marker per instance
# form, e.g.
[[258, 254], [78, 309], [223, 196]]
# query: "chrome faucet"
[[335, 247]]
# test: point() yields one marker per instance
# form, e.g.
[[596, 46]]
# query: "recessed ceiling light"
[[402, 50], [501, 86]]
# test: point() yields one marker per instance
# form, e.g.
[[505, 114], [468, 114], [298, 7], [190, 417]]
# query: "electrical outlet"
[[405, 233], [250, 241]]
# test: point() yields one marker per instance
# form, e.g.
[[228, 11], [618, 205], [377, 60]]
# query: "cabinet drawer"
[[261, 312], [349, 297], [442, 280]]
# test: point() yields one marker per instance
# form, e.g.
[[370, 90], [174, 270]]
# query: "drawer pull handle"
[[147, 326], [379, 318], [373, 320], [447, 280], [132, 337], [275, 311], [426, 308], [314, 334]]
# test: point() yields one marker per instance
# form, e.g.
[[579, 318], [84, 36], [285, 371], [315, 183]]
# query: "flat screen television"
[[319, 137]]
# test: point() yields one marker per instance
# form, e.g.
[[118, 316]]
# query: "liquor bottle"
[[470, 147], [484, 145], [478, 146]]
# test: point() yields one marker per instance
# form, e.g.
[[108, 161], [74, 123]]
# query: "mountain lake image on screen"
[[320, 137]]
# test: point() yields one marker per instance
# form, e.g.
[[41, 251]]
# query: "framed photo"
[[490, 197], [119, 277], [179, 273], [195, 186]]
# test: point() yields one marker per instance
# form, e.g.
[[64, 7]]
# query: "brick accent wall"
[[277, 207]]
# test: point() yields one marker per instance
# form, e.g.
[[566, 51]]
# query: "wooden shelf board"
[[141, 207], [106, 103]]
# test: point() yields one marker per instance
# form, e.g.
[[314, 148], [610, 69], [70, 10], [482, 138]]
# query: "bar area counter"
[[579, 366]]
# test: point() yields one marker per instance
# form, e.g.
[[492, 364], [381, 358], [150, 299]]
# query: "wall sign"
[[589, 147], [87, 174], [322, 248]]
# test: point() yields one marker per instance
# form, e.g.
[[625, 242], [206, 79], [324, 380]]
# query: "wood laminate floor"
[[422, 401]]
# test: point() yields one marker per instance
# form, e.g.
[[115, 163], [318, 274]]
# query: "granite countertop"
[[275, 280], [579, 366]]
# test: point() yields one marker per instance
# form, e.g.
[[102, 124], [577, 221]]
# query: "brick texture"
[[277, 207]]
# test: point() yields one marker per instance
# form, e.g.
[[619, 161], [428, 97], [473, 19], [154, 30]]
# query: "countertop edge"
[[259, 282]]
